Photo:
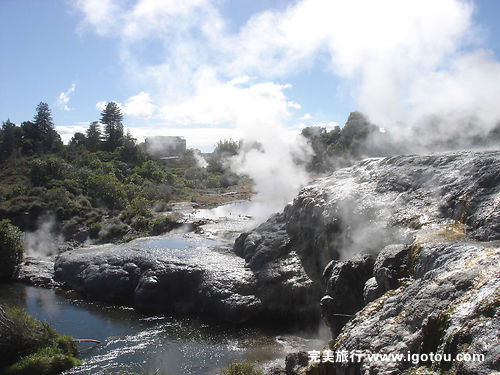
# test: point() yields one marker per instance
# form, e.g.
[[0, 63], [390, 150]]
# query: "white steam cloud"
[[43, 242], [200, 160]]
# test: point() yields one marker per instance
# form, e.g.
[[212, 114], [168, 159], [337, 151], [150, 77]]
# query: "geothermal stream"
[[134, 341]]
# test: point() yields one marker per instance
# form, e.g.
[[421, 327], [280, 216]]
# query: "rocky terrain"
[[406, 252], [190, 273], [399, 255]]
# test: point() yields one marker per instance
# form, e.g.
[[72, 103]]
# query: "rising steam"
[[43, 242]]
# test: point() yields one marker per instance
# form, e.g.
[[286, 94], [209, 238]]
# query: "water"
[[134, 341]]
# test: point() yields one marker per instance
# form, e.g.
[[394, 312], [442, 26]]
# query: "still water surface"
[[134, 341]]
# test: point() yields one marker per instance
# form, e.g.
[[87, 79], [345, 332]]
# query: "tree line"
[[39, 136]]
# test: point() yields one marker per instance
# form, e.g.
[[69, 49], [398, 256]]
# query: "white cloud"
[[386, 50], [100, 105], [101, 15], [139, 105], [293, 105], [67, 131], [230, 103], [307, 116], [64, 97]]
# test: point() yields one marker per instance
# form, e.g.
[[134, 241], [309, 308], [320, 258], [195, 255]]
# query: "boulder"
[[391, 265], [190, 280], [345, 281]]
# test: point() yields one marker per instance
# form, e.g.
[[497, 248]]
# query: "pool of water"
[[134, 341], [137, 342]]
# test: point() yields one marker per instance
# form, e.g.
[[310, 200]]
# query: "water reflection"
[[134, 341]]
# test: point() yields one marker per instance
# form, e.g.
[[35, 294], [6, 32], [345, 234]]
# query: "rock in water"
[[161, 275]]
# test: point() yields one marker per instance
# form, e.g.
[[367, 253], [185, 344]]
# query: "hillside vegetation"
[[102, 185]]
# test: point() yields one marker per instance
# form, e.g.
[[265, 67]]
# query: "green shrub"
[[152, 191], [112, 230], [160, 206], [107, 189], [48, 168], [212, 182], [49, 360], [138, 207], [152, 171], [94, 230], [242, 368], [162, 224], [141, 224], [29, 346], [195, 173], [228, 179], [11, 249]]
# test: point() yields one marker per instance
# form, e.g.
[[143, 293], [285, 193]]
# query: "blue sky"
[[209, 70]]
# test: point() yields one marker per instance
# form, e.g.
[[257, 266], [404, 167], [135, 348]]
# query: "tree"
[[78, 141], [94, 137], [217, 162], [11, 249], [227, 147], [40, 135], [128, 151], [112, 118], [10, 139]]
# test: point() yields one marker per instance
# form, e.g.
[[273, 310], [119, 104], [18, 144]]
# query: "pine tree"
[[40, 134], [43, 118], [94, 137], [112, 119]]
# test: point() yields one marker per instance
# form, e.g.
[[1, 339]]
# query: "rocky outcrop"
[[37, 272], [345, 281], [170, 274], [282, 282], [404, 251], [449, 306], [186, 274]]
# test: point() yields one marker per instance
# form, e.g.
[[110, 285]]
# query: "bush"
[[111, 230], [152, 171], [49, 360], [94, 230], [138, 207], [160, 206], [212, 182], [195, 173], [228, 179], [43, 349], [107, 189], [242, 368], [153, 191], [49, 168], [162, 224], [11, 249], [141, 224]]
